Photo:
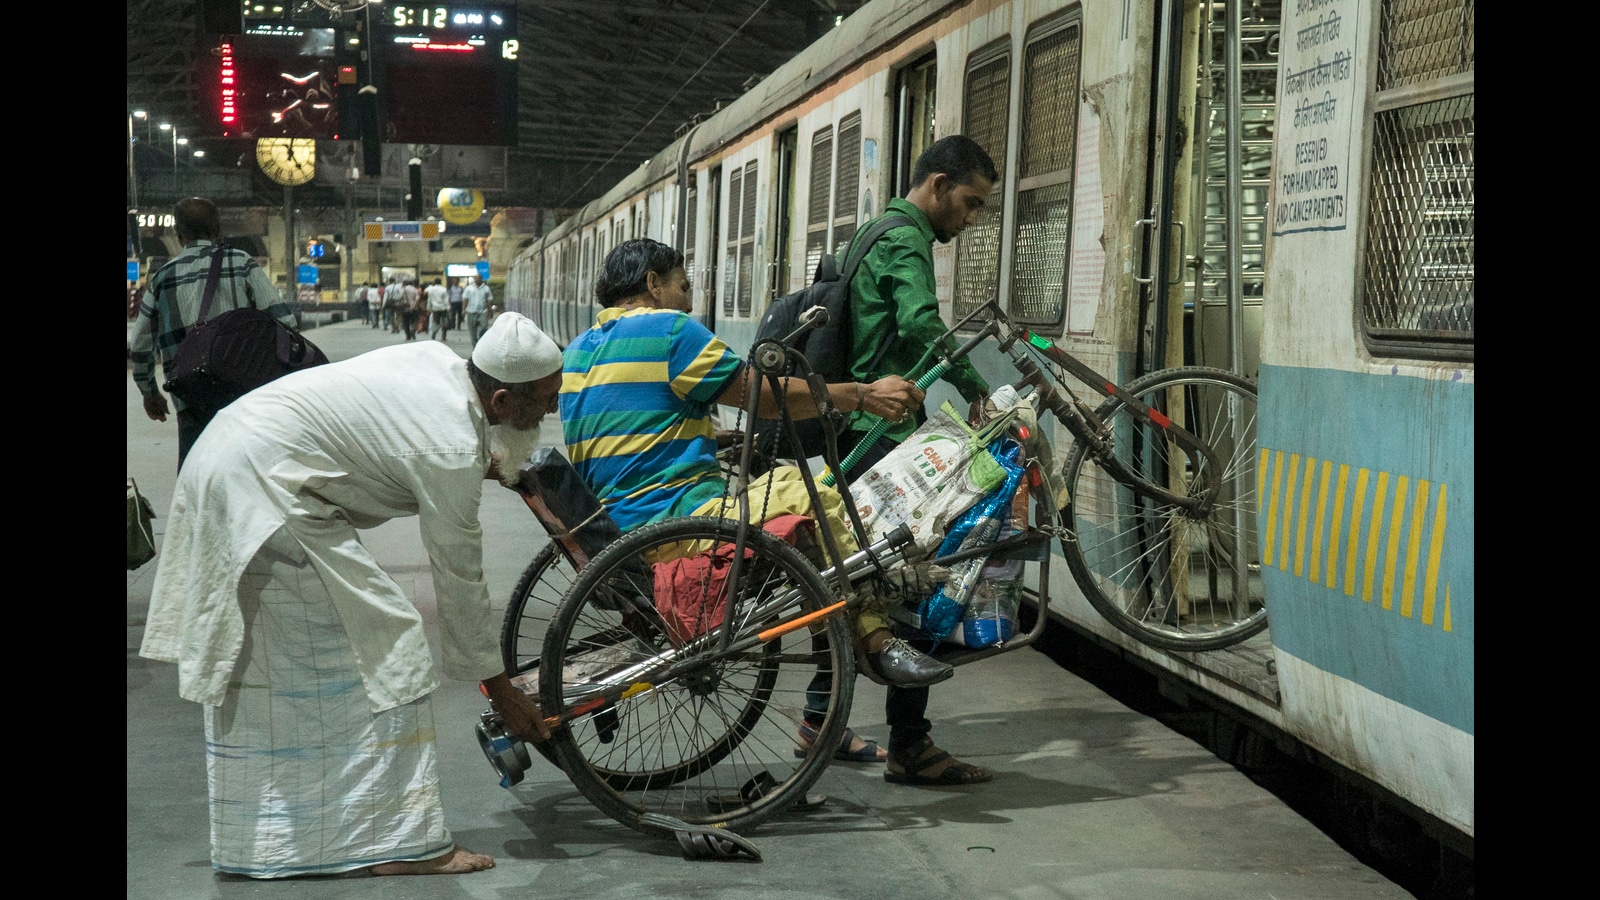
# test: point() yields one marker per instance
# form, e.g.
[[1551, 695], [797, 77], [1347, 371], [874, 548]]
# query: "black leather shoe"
[[903, 665]]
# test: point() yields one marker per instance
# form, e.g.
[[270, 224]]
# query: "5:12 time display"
[[442, 17]]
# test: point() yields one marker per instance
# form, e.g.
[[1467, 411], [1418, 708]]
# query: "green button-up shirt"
[[893, 293]]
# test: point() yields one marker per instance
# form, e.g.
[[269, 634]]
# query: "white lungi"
[[304, 778]]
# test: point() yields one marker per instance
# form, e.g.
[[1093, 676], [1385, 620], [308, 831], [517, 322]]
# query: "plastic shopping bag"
[[933, 477], [978, 527]]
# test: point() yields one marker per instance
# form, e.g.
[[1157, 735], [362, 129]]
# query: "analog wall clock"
[[289, 161]]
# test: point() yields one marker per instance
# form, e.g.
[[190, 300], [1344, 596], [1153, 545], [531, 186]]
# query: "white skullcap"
[[515, 350]]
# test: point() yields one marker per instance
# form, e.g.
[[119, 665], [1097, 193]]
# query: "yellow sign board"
[[401, 231]]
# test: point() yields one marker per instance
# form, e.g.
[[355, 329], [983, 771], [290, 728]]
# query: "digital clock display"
[[447, 74], [443, 17]]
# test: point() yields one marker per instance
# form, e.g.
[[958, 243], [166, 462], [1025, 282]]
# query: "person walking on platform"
[[375, 298], [892, 300], [477, 297], [357, 301], [438, 311], [394, 304], [412, 306], [312, 667], [455, 302], [171, 304]]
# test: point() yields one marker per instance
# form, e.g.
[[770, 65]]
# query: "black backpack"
[[826, 348]]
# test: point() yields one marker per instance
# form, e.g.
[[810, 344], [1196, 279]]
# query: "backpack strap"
[[860, 247], [212, 280]]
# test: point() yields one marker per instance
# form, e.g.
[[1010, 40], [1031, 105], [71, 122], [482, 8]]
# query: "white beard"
[[510, 449]]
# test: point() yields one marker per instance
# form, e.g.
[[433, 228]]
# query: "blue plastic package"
[[977, 527]]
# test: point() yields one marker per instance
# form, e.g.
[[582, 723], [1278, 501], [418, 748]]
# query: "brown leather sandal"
[[926, 756]]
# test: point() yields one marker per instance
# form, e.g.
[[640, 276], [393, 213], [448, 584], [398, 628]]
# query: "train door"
[[783, 190], [708, 269], [913, 119], [1234, 112]]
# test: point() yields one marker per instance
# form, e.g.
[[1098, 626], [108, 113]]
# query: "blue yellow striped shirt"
[[637, 392]]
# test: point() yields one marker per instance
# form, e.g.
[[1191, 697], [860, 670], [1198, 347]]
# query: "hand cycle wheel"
[[533, 604], [713, 741], [1157, 572]]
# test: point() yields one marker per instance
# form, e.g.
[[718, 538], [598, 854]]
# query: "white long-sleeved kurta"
[[394, 432]]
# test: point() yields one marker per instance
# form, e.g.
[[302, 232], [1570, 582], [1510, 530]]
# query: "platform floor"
[[1091, 801]]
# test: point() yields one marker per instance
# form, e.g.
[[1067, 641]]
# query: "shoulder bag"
[[141, 537], [221, 359]]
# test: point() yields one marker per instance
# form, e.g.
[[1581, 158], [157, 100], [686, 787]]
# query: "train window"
[[730, 255], [586, 276], [913, 118], [747, 238], [1049, 119], [846, 181], [689, 232], [985, 109], [817, 205], [1419, 277]]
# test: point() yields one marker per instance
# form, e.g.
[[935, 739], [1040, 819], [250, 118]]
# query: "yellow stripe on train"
[[1310, 505]]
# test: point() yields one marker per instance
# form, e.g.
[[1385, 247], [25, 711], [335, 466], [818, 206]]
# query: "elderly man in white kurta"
[[311, 664]]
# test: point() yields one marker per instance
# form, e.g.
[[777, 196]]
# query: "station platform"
[[1091, 800]]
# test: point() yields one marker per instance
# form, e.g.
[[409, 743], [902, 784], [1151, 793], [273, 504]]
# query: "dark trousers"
[[191, 422], [905, 709], [408, 323]]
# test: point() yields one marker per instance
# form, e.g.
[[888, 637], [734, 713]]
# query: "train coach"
[[1281, 188]]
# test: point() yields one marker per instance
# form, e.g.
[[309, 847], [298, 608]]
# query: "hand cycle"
[[680, 658]]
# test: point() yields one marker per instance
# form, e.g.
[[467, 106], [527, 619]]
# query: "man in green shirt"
[[892, 296]]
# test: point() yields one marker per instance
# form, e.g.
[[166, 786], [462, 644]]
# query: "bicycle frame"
[[1082, 422]]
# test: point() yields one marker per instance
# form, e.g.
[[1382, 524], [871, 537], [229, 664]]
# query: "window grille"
[[747, 239], [986, 108], [847, 182], [1045, 174], [1419, 277], [817, 204], [689, 233], [731, 252]]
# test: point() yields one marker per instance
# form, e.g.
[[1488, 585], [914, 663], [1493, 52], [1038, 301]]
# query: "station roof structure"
[[602, 85]]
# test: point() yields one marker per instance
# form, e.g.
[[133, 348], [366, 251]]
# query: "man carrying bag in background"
[[171, 305]]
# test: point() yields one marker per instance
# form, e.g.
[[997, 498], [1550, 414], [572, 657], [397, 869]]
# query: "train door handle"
[[1150, 279]]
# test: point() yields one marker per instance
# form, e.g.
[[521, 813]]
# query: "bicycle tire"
[[533, 605], [715, 744], [1155, 571]]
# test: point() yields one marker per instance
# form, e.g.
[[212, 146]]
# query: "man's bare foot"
[[458, 861]]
